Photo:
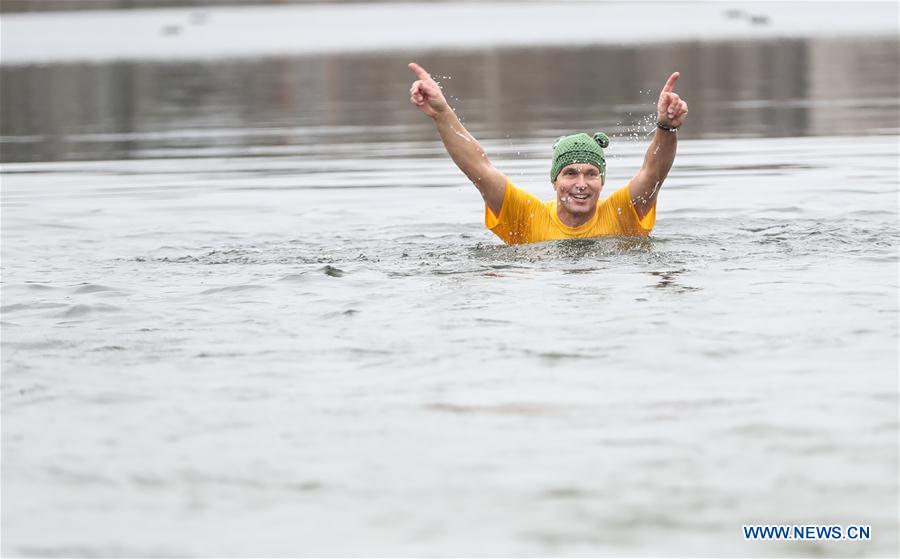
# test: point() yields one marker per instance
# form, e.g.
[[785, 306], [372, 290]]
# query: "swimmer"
[[577, 173]]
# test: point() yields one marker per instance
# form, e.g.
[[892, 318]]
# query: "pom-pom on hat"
[[579, 148]]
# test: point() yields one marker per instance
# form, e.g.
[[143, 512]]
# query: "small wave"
[[566, 493], [501, 409], [341, 314], [56, 225], [216, 354], [561, 355], [254, 255], [109, 348], [762, 429], [71, 476], [231, 289], [40, 345], [114, 398], [293, 277], [29, 306], [368, 351], [94, 551], [493, 321], [192, 477], [76, 311], [93, 288], [808, 237], [452, 272]]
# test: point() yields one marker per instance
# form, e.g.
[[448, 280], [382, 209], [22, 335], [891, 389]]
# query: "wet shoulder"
[[616, 215]]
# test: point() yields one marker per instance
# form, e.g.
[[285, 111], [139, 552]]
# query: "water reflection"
[[756, 88]]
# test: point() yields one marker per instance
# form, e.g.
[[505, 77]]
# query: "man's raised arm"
[[463, 148], [670, 114]]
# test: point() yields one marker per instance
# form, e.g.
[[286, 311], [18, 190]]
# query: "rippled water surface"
[[250, 308]]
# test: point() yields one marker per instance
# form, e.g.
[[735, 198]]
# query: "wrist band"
[[666, 128]]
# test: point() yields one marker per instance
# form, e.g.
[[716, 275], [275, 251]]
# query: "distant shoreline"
[[44, 6], [256, 31]]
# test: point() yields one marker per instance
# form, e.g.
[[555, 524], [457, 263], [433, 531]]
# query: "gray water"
[[250, 308]]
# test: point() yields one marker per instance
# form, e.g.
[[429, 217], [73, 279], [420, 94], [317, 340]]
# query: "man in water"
[[578, 174]]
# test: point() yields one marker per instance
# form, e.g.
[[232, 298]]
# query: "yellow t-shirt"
[[525, 219]]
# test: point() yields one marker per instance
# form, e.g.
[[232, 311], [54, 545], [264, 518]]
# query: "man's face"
[[578, 188]]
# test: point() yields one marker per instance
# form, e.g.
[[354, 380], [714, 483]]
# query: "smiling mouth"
[[583, 196]]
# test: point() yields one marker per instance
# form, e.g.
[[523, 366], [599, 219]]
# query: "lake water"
[[249, 307]]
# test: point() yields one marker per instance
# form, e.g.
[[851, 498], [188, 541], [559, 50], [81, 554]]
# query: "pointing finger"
[[419, 71], [670, 83]]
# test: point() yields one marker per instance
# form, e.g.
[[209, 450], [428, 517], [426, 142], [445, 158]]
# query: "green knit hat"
[[579, 148]]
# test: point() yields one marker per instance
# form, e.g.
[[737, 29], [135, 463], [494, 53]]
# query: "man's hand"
[[644, 186], [426, 94], [671, 110]]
